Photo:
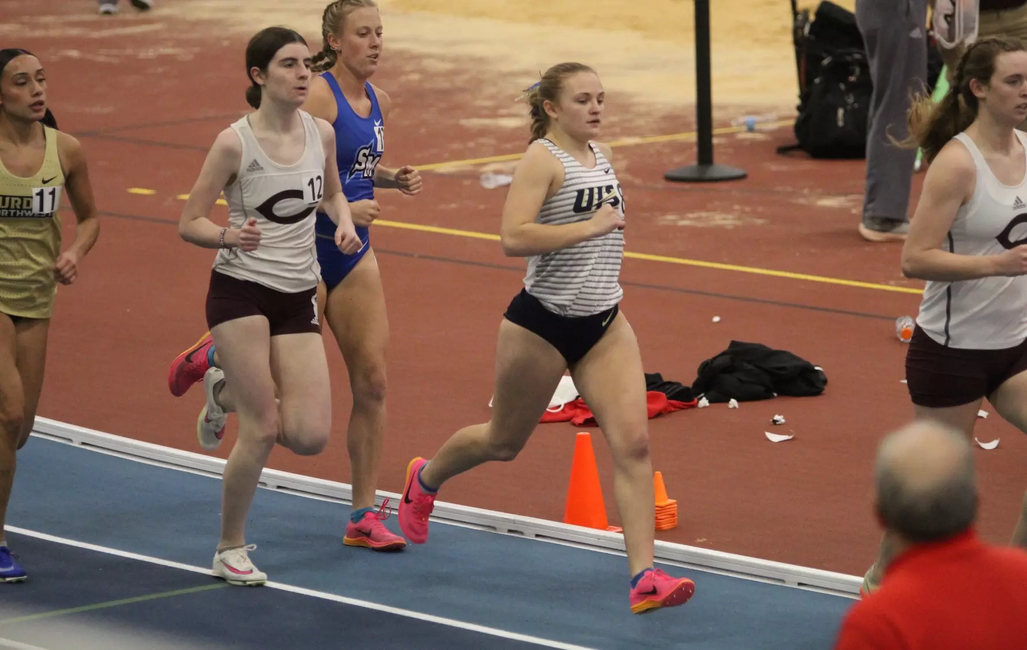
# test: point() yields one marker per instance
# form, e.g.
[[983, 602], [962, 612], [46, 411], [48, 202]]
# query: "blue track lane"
[[527, 587]]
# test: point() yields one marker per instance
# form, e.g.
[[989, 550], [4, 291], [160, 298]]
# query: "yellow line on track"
[[666, 259], [623, 142]]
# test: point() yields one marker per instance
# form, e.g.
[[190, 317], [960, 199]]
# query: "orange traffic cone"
[[585, 505], [666, 509]]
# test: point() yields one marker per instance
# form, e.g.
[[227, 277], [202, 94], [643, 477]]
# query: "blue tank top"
[[359, 145]]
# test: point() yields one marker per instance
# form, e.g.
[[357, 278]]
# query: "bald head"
[[926, 485]]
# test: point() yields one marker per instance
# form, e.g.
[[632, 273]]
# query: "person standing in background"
[[894, 34]]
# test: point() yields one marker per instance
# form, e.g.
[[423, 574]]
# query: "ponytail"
[[49, 120], [537, 113], [931, 125], [253, 94], [325, 59]]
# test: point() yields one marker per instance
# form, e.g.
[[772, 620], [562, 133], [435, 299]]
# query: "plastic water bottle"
[[955, 22], [750, 121], [904, 328]]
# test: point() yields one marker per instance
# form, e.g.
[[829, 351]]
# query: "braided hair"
[[332, 20]]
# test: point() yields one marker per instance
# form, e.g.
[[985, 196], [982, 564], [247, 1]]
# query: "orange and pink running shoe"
[[189, 367], [656, 589], [416, 505], [371, 533]]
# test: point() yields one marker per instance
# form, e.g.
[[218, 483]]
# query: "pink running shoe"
[[416, 505], [371, 533], [657, 589], [188, 367]]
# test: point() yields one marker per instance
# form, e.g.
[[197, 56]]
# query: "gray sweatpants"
[[894, 32]]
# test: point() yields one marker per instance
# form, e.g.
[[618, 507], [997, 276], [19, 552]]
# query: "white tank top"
[[283, 200], [583, 279], [987, 313]]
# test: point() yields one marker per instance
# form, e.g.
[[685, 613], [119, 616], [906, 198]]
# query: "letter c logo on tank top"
[[310, 194], [1005, 237]]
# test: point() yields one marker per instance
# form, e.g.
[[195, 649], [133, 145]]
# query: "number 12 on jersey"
[[314, 188], [45, 200]]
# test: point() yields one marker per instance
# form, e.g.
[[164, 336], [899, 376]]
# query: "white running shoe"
[[210, 426], [108, 8], [234, 567]]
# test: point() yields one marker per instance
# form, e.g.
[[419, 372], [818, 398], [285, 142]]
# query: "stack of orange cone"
[[666, 509], [585, 505]]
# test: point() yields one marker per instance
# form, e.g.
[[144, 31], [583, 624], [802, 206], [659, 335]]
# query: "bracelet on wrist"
[[221, 239]]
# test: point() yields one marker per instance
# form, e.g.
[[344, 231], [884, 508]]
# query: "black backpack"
[[834, 84]]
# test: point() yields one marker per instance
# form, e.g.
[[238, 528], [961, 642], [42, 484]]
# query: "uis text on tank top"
[[583, 279]]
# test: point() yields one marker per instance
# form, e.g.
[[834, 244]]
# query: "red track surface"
[[146, 123]]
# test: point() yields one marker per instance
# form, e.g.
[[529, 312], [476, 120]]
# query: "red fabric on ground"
[[579, 414]]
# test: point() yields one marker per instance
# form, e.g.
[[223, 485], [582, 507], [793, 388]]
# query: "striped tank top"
[[583, 279], [282, 198], [30, 235]]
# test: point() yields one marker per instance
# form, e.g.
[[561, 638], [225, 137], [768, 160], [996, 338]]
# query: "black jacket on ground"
[[752, 371]]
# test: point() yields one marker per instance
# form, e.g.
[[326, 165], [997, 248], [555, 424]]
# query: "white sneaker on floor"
[[234, 567], [108, 8], [883, 230], [210, 425]]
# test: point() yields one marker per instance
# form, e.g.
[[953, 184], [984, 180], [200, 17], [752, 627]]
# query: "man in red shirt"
[[945, 589]]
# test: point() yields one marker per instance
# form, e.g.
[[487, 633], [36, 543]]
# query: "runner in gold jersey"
[[38, 164]]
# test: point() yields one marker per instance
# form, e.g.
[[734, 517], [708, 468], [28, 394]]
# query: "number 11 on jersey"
[[45, 200]]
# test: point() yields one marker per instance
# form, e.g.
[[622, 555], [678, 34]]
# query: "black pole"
[[703, 81], [705, 170]]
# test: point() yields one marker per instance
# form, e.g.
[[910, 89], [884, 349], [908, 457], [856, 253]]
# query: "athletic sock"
[[424, 486], [634, 581], [357, 515], [210, 357]]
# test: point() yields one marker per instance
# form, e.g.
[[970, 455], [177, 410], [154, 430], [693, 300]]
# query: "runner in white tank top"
[[967, 241], [565, 213], [275, 166], [988, 313], [352, 299], [281, 199]]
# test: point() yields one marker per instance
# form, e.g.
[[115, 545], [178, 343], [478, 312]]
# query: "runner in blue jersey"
[[351, 294]]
